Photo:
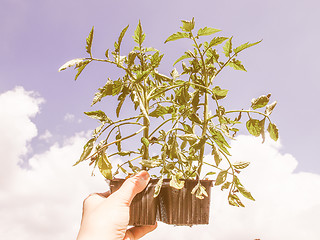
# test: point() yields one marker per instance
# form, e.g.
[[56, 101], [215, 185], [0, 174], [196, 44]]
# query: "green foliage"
[[207, 31], [244, 46], [253, 126], [187, 26], [74, 62], [173, 128], [218, 93], [241, 165], [199, 191], [228, 47], [176, 181], [158, 187], [118, 44], [236, 64], [100, 115], [89, 41], [87, 149], [273, 131], [139, 36], [260, 102], [177, 36]]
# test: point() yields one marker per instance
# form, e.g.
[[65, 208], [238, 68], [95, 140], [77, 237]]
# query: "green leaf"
[[100, 115], [187, 128], [187, 26], [237, 65], [87, 148], [80, 68], [226, 185], [177, 36], [262, 123], [105, 166], [242, 190], [217, 136], [122, 169], [273, 131], [245, 192], [241, 165], [74, 62], [260, 102], [107, 53], [199, 191], [221, 178], [219, 93], [118, 44], [181, 157], [210, 173], [156, 59], [195, 100], [150, 163], [198, 145], [174, 73], [188, 137], [159, 111], [158, 187], [207, 31], [89, 41], [118, 136], [270, 107], [194, 118], [151, 49], [244, 46], [181, 58], [139, 36], [145, 141], [234, 200], [212, 54], [216, 41], [216, 155], [121, 99], [253, 126], [175, 182], [227, 48], [104, 91]]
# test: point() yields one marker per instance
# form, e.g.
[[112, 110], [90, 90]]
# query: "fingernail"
[[144, 175]]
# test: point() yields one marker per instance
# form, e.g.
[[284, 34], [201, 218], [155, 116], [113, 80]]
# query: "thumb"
[[132, 186]]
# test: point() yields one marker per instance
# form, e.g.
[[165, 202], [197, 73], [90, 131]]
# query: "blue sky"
[[37, 37]]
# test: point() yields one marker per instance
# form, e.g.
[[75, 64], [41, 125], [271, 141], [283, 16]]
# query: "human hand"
[[106, 216]]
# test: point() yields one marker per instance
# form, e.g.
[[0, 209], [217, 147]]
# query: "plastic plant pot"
[[172, 206], [180, 207], [143, 208]]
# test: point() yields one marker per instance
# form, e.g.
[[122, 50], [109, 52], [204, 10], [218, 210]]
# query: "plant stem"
[[249, 111], [118, 140], [205, 107]]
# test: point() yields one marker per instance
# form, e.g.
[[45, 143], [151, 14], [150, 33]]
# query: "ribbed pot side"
[[172, 206], [143, 208], [180, 207]]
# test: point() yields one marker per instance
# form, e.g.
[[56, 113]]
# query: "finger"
[[132, 186], [105, 194], [95, 198], [138, 232]]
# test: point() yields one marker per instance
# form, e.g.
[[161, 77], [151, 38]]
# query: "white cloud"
[[45, 200], [71, 118], [46, 136]]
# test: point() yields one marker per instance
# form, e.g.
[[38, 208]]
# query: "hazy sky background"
[[43, 125]]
